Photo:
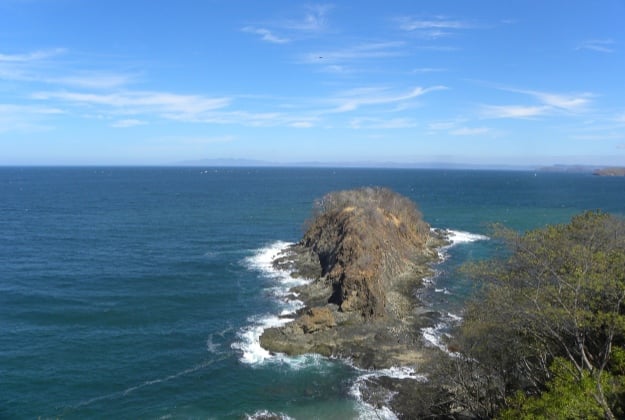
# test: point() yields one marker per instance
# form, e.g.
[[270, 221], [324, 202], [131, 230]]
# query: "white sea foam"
[[249, 337], [263, 259], [435, 335], [454, 317], [263, 414], [380, 411], [459, 237]]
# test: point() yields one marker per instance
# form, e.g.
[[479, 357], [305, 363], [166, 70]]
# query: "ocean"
[[141, 292]]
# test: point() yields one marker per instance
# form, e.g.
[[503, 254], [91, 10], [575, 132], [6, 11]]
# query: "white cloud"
[[548, 103], [562, 101], [513, 111], [170, 105], [354, 99], [446, 125], [428, 70], [266, 35], [378, 123], [30, 57], [358, 52], [25, 118], [432, 27], [36, 67], [314, 19], [127, 123], [565, 102], [598, 45], [93, 80], [302, 124], [467, 131]]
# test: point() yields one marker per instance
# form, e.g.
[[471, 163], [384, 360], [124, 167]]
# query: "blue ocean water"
[[138, 292]]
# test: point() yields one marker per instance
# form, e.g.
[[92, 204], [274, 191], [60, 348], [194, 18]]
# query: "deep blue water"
[[127, 292]]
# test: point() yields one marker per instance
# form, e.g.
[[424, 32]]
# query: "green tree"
[[567, 396], [559, 293]]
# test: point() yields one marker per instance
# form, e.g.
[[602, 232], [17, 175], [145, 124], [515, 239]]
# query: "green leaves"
[[557, 296]]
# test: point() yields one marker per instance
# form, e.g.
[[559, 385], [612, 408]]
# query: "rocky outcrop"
[[367, 251], [609, 172], [364, 239]]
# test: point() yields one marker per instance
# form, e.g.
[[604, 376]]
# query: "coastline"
[[392, 357]]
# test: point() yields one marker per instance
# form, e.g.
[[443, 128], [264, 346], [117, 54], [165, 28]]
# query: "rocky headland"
[[615, 171], [367, 251]]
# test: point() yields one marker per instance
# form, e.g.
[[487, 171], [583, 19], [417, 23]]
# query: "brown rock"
[[317, 319]]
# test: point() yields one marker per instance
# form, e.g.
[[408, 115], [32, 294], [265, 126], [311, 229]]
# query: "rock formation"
[[367, 250]]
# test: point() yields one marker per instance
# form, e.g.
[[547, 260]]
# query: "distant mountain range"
[[362, 164], [251, 163]]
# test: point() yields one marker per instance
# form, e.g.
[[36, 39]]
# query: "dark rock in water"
[[363, 240], [367, 251]]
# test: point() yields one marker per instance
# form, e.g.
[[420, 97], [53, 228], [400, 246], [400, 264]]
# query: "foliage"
[[556, 300], [376, 202], [568, 395]]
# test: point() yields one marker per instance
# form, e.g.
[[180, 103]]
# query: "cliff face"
[[364, 239], [367, 251]]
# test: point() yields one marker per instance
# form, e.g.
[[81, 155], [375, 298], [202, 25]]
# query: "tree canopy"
[[547, 332]]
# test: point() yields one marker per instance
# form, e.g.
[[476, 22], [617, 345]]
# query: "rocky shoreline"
[[321, 327], [366, 262]]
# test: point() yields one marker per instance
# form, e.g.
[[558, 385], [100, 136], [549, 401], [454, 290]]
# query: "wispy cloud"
[[565, 102], [379, 123], [433, 27], [31, 56], [356, 98], [470, 131], [357, 52], [314, 19], [547, 103], [38, 67], [25, 118], [93, 80], [458, 127], [127, 123], [513, 111], [598, 45], [302, 124], [166, 104], [266, 35], [428, 70]]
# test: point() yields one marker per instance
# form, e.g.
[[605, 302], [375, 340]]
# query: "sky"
[[156, 82]]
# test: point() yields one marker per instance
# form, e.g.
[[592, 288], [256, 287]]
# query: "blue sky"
[[94, 82]]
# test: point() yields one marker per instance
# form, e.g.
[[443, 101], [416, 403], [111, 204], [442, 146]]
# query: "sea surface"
[[141, 292]]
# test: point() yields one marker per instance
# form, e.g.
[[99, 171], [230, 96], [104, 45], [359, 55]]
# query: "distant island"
[[595, 170], [610, 171]]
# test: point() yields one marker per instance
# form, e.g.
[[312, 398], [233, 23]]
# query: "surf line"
[[121, 394]]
